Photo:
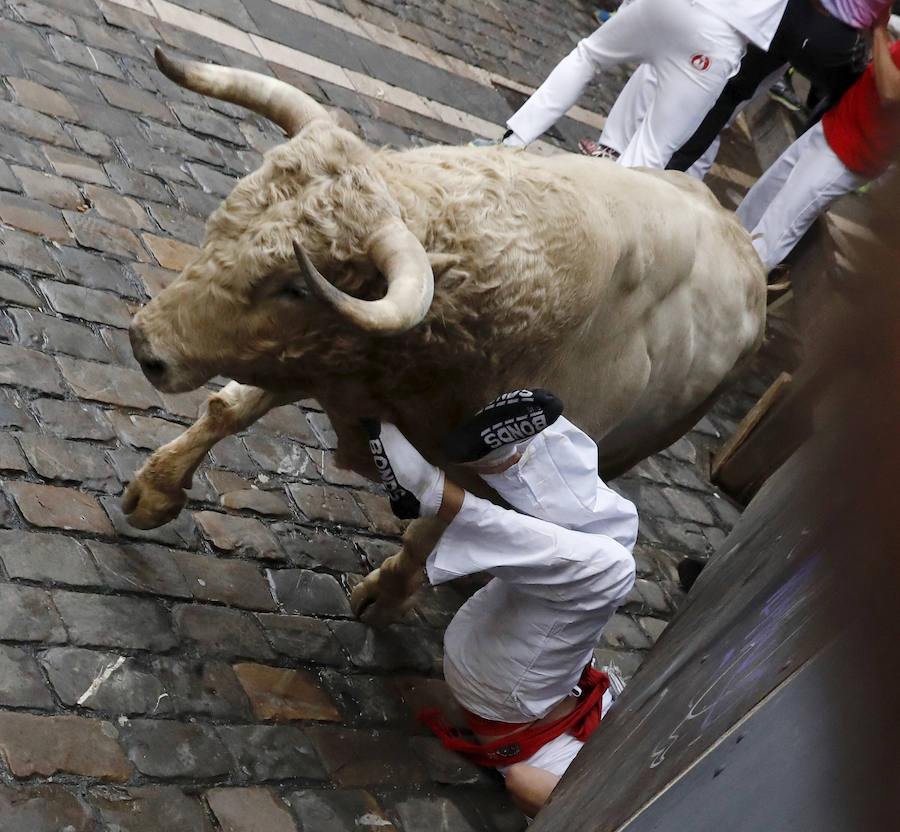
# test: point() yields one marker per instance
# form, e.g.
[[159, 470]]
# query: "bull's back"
[[689, 294], [651, 291]]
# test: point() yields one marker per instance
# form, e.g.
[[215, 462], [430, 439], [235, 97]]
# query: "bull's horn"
[[400, 257], [290, 108]]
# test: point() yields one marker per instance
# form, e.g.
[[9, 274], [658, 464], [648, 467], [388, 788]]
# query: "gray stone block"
[[339, 810], [49, 558], [309, 593], [390, 649], [104, 682], [139, 569], [434, 813], [366, 700], [149, 809], [21, 684], [109, 621], [302, 637], [208, 688], [221, 632], [166, 749], [27, 614], [272, 752]]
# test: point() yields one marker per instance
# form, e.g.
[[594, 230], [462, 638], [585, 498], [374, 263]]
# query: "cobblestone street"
[[209, 675]]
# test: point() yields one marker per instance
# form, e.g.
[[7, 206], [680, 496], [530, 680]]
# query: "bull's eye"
[[292, 292]]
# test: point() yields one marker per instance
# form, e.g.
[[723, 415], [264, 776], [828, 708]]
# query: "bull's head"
[[247, 305]]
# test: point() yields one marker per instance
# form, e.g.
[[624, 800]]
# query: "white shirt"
[[519, 645], [756, 20]]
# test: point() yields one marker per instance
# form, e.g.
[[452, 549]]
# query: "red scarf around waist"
[[524, 741]]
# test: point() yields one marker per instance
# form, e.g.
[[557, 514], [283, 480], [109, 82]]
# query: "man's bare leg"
[[158, 492], [529, 787]]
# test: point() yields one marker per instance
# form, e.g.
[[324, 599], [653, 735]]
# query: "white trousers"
[[782, 205], [692, 50], [561, 563], [628, 112]]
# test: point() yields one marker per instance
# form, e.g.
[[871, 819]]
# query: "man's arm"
[[887, 74]]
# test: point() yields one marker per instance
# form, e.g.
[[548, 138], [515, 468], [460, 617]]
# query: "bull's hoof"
[[146, 507], [372, 605]]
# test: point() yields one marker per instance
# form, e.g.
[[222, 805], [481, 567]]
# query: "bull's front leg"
[[159, 490], [385, 594]]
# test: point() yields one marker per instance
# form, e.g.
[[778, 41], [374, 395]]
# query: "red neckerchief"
[[522, 743]]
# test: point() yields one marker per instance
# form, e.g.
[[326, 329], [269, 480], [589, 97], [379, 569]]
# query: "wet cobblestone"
[[208, 675]]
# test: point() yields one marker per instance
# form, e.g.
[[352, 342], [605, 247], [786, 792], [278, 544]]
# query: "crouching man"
[[518, 653]]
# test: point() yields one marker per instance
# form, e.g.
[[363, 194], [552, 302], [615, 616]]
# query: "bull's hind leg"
[[384, 595], [159, 490]]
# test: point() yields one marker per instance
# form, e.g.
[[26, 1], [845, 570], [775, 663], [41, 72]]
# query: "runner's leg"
[[739, 90], [629, 109], [623, 38], [815, 178], [691, 71]]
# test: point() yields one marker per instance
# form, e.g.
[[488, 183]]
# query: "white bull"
[[463, 273]]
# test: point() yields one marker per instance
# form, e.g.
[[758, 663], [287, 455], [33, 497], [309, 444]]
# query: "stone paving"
[[208, 675]]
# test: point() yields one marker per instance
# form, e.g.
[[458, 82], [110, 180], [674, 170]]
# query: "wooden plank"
[[800, 777], [781, 301], [769, 399], [754, 618]]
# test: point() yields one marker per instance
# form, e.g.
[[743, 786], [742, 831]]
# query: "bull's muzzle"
[[153, 366]]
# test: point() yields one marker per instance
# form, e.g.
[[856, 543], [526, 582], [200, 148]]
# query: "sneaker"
[[597, 150], [782, 92], [604, 151], [483, 142], [508, 420], [601, 16]]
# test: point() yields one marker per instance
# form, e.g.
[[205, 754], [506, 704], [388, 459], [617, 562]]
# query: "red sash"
[[524, 741]]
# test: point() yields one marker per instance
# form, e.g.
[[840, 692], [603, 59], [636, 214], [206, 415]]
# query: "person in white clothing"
[[626, 116], [822, 39], [856, 141], [694, 47], [517, 655], [785, 201]]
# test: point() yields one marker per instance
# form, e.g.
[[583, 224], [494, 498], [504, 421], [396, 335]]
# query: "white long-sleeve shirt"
[[561, 564]]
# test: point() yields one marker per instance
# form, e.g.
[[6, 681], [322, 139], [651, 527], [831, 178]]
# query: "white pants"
[[785, 201], [628, 112], [561, 563], [692, 50]]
